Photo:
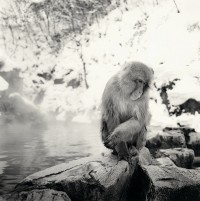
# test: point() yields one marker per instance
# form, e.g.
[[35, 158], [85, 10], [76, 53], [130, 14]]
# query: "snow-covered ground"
[[155, 34]]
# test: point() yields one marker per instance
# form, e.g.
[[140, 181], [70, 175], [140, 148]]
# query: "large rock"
[[194, 142], [182, 130], [182, 157], [102, 178], [165, 139], [170, 183]]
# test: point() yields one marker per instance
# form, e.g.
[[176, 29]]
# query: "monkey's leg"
[[141, 140], [125, 132], [122, 151]]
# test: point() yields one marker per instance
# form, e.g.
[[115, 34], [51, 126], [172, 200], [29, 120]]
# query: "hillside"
[[154, 32]]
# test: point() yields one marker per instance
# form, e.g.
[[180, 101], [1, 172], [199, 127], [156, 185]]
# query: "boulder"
[[169, 183], [165, 140], [194, 142], [183, 129], [182, 157], [92, 178]]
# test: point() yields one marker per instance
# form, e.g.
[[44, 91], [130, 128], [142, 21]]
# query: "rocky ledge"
[[167, 171], [104, 178], [91, 178]]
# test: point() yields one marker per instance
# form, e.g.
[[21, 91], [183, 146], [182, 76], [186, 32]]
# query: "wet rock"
[[165, 140], [194, 142], [40, 195], [169, 183], [91, 178], [182, 157]]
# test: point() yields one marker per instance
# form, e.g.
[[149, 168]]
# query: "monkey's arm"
[[141, 140], [126, 132]]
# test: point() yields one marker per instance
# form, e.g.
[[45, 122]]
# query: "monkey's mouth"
[[136, 94]]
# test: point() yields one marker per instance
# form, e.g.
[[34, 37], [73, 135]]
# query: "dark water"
[[25, 149]]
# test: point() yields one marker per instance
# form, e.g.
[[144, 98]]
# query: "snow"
[[155, 34], [189, 120], [188, 87]]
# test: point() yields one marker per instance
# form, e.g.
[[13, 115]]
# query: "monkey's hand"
[[126, 132]]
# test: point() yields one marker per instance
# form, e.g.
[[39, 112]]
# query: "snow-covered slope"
[[155, 34]]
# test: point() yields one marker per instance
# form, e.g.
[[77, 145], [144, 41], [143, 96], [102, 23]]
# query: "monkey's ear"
[[137, 94]]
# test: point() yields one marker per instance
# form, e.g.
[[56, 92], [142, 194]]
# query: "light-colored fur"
[[124, 119]]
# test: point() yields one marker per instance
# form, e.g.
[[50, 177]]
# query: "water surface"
[[25, 149]]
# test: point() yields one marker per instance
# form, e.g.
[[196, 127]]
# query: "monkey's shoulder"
[[112, 88], [113, 83]]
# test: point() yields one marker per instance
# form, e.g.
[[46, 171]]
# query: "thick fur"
[[124, 119]]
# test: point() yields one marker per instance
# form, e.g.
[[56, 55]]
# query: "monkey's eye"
[[140, 81]]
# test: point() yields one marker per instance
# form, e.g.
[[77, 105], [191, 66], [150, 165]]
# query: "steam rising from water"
[[25, 149]]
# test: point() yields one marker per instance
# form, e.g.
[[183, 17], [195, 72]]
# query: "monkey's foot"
[[123, 152], [133, 151]]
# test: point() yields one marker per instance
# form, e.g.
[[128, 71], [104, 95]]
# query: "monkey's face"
[[137, 78], [139, 88]]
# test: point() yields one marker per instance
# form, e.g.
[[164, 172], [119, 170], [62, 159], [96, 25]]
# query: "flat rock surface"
[[91, 178]]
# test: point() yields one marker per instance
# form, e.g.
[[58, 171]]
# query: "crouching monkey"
[[125, 113]]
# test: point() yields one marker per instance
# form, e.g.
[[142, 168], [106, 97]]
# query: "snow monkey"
[[125, 110]]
